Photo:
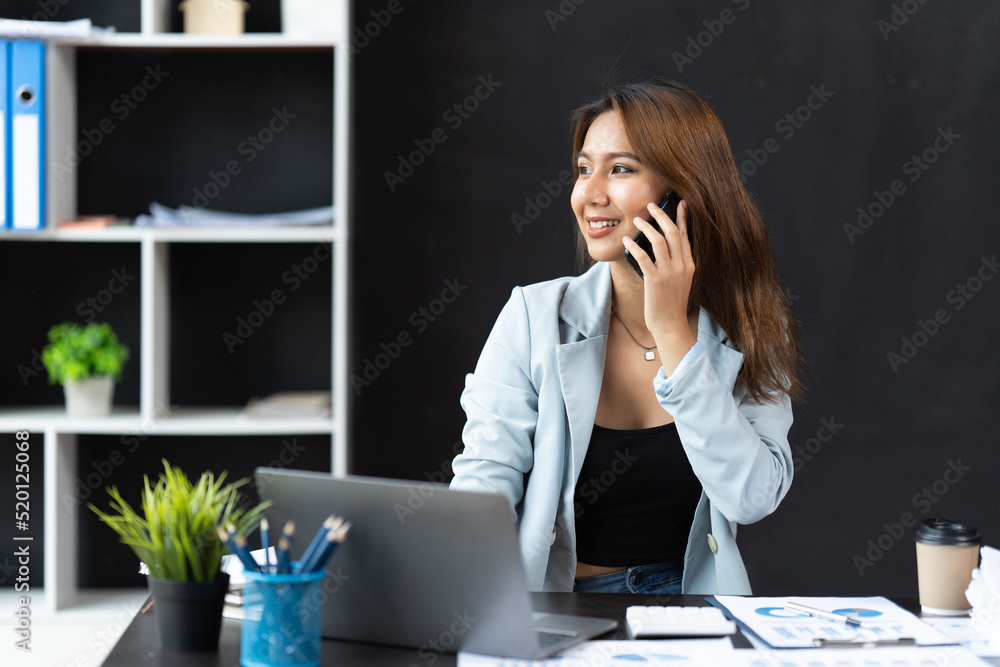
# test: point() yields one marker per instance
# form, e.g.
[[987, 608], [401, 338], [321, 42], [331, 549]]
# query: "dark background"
[[870, 439], [896, 432]]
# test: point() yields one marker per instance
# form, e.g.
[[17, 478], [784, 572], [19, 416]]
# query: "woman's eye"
[[621, 169], [582, 169]]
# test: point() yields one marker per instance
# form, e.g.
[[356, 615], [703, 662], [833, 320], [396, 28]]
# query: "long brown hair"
[[677, 135]]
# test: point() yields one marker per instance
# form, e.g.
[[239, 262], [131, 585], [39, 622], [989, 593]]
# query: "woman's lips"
[[599, 228]]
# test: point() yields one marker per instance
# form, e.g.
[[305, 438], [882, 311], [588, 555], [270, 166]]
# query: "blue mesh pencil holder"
[[281, 619]]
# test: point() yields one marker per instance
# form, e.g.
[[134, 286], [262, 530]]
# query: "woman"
[[634, 422]]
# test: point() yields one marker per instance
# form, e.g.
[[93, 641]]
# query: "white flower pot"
[[213, 17], [89, 397]]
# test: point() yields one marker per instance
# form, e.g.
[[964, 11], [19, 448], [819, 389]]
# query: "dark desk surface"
[[137, 645]]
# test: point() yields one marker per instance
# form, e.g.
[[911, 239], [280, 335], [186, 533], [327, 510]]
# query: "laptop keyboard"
[[547, 638]]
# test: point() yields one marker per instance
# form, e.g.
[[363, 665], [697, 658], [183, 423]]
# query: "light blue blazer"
[[531, 404]]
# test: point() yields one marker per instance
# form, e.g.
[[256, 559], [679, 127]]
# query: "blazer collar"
[[586, 304], [586, 307]]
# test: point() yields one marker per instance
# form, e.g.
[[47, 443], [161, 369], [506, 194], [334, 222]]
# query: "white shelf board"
[[277, 234], [260, 40], [182, 421], [36, 419], [232, 421]]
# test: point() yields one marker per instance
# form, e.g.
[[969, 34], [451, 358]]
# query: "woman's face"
[[612, 187]]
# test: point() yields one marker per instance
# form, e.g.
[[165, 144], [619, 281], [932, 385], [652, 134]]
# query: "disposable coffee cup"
[[947, 552]]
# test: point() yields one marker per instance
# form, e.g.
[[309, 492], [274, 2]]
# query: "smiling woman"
[[676, 141], [564, 390]]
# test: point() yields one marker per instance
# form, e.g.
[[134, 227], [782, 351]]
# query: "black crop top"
[[635, 498]]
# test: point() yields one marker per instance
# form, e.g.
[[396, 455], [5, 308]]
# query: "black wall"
[[877, 444], [879, 441]]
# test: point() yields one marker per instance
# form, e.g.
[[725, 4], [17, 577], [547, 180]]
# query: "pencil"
[[288, 532], [333, 540], [245, 558], [284, 558], [265, 543], [317, 541], [244, 554]]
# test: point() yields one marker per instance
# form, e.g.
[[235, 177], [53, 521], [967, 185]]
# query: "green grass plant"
[[175, 536]]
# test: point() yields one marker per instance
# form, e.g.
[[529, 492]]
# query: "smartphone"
[[669, 205]]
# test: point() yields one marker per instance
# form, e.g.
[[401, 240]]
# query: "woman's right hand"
[[667, 283]]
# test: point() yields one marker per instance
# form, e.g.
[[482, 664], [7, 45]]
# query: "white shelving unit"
[[156, 415]]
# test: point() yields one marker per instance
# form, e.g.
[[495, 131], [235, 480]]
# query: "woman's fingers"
[[683, 220]]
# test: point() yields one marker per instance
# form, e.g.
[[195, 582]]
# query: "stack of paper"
[[189, 216], [687, 652], [291, 404], [81, 29], [984, 596], [720, 653]]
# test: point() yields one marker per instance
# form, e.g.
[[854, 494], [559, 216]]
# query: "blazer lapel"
[[581, 371], [584, 311]]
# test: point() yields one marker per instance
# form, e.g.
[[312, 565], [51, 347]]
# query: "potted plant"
[[176, 537], [86, 361]]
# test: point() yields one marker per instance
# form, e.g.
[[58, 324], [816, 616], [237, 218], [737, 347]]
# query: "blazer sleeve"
[[737, 447], [501, 406]]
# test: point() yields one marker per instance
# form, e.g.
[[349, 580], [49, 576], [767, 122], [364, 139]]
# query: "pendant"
[[650, 355]]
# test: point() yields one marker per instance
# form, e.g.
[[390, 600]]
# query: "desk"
[[137, 645]]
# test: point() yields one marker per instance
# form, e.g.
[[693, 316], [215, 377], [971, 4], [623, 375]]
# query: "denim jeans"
[[662, 578]]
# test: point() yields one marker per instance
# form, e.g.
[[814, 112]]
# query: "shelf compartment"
[[48, 283], [247, 131], [246, 320]]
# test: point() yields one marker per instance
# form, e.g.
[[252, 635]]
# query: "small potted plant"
[[86, 361], [176, 537]]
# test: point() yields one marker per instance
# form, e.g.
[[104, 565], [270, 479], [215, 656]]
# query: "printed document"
[[780, 627]]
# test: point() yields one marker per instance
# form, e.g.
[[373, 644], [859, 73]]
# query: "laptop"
[[423, 566]]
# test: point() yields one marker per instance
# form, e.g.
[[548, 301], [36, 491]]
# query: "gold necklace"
[[650, 355]]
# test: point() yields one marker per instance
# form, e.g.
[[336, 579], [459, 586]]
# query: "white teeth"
[[597, 224]]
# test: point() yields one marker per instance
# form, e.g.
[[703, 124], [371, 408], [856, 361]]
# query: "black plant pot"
[[188, 613]]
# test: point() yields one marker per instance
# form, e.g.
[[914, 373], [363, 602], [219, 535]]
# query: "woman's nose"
[[595, 191]]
